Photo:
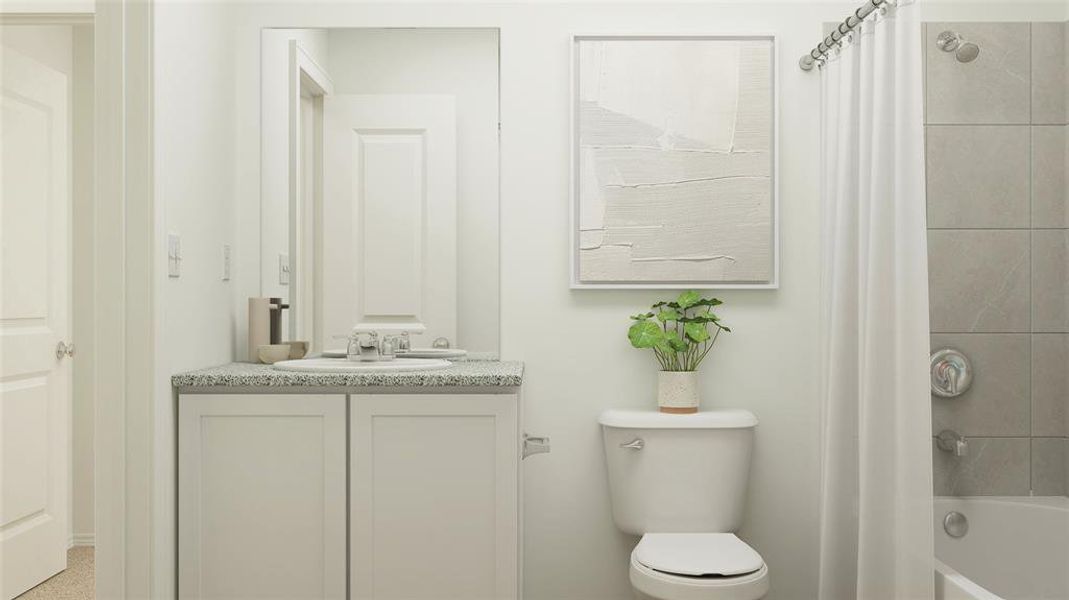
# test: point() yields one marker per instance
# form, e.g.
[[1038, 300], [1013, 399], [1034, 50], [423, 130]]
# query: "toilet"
[[679, 481]]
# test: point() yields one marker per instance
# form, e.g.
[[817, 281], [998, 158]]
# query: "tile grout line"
[[1031, 250], [924, 100], [1032, 261], [1007, 229]]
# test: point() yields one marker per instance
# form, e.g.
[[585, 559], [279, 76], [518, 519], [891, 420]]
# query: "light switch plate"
[[226, 262], [174, 255], [284, 269]]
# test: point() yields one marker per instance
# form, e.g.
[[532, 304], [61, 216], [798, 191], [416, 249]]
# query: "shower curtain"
[[876, 503]]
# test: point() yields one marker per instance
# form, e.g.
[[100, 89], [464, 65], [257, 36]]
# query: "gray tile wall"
[[997, 158]]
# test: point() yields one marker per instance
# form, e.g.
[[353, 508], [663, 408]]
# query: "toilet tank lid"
[[725, 418]]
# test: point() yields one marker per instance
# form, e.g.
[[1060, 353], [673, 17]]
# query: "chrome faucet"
[[363, 346], [366, 344], [952, 441]]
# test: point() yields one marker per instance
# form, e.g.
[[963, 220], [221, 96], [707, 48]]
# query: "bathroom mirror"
[[379, 182]]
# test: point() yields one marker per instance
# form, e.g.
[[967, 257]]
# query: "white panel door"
[[434, 497], [389, 215], [261, 497], [34, 304]]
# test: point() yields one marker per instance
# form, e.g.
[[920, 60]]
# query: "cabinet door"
[[261, 496], [434, 497]]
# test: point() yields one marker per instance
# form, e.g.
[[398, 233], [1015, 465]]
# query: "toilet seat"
[[698, 566], [697, 554]]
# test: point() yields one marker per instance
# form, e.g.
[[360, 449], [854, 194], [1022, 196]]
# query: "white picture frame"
[[771, 279]]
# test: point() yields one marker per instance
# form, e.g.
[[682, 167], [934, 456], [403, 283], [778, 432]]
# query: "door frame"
[[127, 261], [306, 248]]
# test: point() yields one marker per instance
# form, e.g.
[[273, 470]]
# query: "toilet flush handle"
[[534, 445], [635, 444]]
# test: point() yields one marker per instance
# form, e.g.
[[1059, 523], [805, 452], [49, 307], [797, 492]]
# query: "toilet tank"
[[673, 473]]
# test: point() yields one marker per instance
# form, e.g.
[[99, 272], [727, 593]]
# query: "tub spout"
[[952, 441]]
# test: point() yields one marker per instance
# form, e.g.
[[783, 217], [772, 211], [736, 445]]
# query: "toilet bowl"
[[679, 481], [697, 566]]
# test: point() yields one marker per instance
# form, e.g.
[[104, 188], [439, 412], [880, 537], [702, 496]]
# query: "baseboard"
[[81, 539]]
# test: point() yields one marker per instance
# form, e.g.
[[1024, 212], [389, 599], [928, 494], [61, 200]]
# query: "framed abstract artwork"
[[674, 162]]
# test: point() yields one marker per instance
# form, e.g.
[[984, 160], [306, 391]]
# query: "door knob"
[[64, 349]]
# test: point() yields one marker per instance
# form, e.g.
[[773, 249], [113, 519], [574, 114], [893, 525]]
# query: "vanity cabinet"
[[261, 496], [365, 496], [434, 497]]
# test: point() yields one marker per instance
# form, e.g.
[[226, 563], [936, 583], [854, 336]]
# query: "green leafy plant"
[[680, 333]]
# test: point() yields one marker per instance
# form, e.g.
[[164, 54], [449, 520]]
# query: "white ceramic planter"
[[677, 392]]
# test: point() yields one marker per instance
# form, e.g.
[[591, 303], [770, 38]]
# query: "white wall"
[[463, 63], [195, 173]]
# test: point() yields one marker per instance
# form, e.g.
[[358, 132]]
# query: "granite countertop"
[[467, 373]]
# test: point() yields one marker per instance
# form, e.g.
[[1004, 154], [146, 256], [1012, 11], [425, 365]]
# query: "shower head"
[[964, 51], [967, 52]]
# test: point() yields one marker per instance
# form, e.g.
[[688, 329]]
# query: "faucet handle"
[[389, 346], [951, 373], [372, 335], [961, 447]]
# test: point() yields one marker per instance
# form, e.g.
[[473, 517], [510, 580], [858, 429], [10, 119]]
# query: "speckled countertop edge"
[[468, 373]]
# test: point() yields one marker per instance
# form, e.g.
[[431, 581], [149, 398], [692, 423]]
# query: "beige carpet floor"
[[75, 583]]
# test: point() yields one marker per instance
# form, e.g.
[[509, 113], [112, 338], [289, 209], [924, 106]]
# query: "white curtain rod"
[[808, 60]]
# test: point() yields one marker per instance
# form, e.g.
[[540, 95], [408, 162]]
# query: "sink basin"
[[413, 353], [433, 353], [343, 365]]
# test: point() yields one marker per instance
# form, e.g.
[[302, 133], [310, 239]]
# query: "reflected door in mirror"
[[389, 214]]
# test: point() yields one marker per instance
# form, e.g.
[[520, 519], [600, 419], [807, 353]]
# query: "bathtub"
[[1017, 548]]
